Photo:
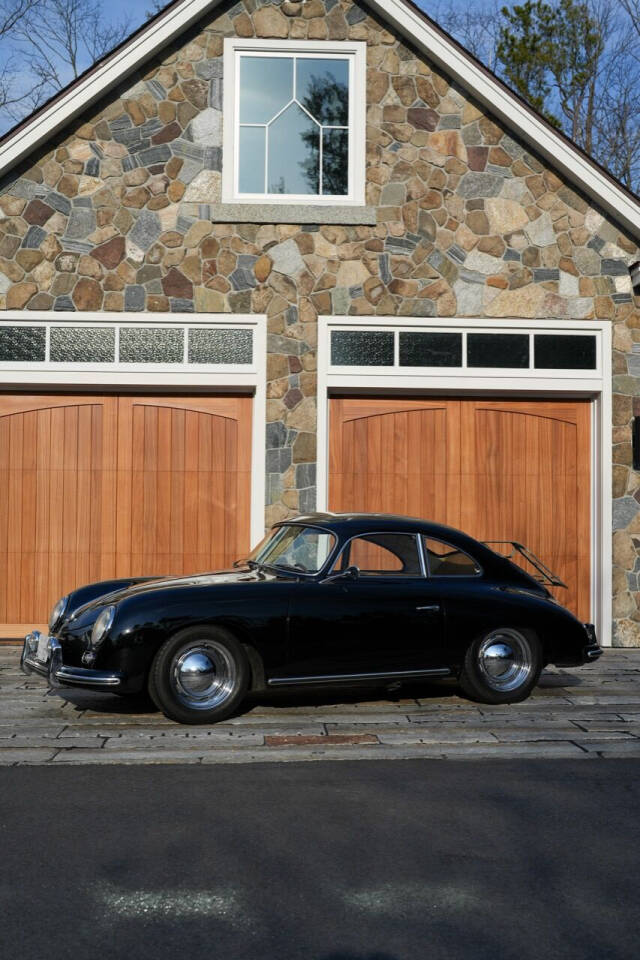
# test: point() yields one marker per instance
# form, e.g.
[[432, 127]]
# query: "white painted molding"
[[356, 52]]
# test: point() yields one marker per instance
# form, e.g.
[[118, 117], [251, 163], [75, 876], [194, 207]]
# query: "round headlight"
[[58, 610], [103, 624]]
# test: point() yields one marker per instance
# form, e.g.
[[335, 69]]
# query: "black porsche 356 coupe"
[[324, 599]]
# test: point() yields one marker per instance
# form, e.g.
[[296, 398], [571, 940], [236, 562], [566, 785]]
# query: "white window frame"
[[355, 51], [157, 377], [595, 385]]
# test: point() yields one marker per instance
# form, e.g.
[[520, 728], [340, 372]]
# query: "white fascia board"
[[514, 114], [106, 76]]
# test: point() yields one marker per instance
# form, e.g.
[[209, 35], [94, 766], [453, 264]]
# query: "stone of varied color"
[[168, 133], [175, 284], [28, 259], [262, 268], [134, 298], [145, 230], [19, 295], [269, 22], [37, 212], [111, 253], [87, 294]]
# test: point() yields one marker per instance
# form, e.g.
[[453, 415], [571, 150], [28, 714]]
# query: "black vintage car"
[[325, 599]]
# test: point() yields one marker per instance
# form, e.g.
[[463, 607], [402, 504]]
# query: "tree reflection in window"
[[294, 111]]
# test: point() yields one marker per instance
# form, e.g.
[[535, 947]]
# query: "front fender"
[[142, 624]]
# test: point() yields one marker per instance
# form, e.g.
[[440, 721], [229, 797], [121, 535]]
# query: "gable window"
[[294, 122]]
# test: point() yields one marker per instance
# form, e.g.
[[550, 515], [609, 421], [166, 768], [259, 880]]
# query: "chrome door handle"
[[430, 606]]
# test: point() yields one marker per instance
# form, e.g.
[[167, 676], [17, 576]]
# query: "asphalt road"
[[403, 860]]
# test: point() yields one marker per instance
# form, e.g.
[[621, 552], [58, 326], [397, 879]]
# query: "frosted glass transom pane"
[[82, 345], [220, 346], [22, 344], [151, 345]]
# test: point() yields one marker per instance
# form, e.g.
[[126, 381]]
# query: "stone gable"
[[470, 222]]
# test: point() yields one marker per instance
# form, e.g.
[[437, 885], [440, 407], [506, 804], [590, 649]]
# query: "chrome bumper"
[[54, 670]]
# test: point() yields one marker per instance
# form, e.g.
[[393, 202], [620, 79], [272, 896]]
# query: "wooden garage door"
[[500, 470], [100, 486]]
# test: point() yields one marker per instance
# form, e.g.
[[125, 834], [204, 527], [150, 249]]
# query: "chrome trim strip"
[[94, 678], [350, 677]]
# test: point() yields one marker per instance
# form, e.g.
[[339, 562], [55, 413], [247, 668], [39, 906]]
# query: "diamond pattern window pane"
[[220, 346], [564, 352], [82, 345], [151, 345], [22, 344], [361, 348], [430, 349], [497, 350]]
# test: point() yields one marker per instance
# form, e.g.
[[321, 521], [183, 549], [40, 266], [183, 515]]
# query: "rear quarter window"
[[445, 560]]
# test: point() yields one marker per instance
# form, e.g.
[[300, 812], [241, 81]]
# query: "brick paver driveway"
[[589, 712]]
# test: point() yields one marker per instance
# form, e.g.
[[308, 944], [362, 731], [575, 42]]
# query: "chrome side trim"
[[353, 677]]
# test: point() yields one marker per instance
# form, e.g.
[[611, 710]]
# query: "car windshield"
[[292, 547]]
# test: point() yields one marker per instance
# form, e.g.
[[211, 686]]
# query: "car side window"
[[445, 560], [383, 554]]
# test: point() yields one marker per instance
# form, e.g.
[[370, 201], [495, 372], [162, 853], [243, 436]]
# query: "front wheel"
[[200, 675], [502, 666]]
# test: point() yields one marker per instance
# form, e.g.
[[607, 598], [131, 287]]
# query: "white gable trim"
[[408, 21]]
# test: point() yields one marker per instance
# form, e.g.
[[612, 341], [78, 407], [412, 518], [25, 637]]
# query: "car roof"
[[352, 524]]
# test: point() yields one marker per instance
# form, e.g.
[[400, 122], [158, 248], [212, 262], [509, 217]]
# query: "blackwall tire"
[[200, 675], [502, 666]]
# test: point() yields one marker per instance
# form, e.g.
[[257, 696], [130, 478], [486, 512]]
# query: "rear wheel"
[[501, 666], [199, 676]]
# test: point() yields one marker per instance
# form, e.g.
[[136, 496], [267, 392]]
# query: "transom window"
[[294, 133]]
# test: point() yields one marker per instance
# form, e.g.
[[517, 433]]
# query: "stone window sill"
[[284, 213]]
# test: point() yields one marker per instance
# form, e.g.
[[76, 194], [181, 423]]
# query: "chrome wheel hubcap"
[[505, 660], [203, 675]]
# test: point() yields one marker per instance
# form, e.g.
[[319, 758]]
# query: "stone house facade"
[[120, 218]]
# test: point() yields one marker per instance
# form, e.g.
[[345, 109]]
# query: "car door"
[[376, 612]]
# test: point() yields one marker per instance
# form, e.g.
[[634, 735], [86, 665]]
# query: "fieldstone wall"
[[115, 216]]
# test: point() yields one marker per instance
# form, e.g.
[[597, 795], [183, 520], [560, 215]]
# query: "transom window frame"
[[355, 51], [465, 327]]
